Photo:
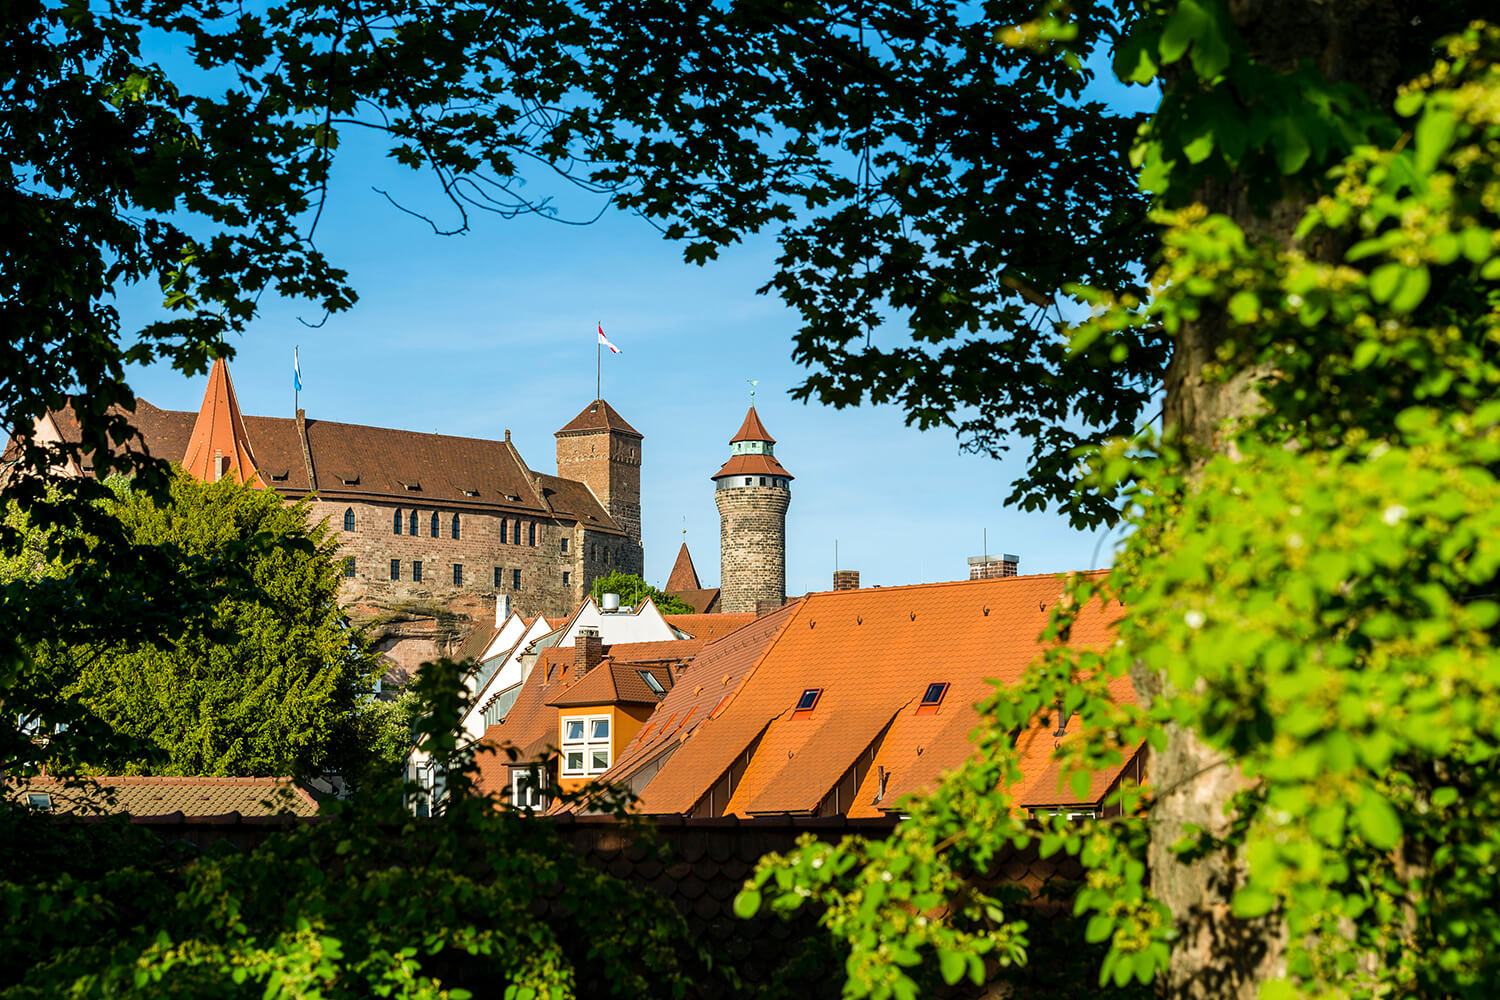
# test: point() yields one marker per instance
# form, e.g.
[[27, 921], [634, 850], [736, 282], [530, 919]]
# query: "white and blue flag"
[[296, 371]]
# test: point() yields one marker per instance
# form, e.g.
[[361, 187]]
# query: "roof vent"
[[609, 602]]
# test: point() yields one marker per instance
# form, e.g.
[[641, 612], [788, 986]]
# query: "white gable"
[[643, 624], [510, 671]]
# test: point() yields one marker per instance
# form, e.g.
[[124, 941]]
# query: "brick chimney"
[[588, 650], [989, 567], [846, 579]]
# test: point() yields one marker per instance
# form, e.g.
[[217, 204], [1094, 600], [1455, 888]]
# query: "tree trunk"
[[1219, 956]]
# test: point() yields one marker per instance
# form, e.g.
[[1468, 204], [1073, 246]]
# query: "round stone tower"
[[753, 492]]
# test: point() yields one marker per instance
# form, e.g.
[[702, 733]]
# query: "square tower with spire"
[[601, 450]]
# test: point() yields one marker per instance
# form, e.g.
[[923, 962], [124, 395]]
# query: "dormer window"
[[652, 682], [808, 701], [585, 746]]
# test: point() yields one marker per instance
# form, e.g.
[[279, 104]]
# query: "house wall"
[[624, 722]]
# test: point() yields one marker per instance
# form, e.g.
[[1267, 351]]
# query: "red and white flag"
[[604, 341]]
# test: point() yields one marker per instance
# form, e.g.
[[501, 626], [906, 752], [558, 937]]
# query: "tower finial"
[[753, 383]]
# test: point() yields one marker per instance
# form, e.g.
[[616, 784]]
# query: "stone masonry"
[[752, 491], [752, 546]]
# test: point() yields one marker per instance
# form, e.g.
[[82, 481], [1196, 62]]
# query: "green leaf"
[[952, 964], [1385, 280], [1252, 901], [1434, 134], [747, 903], [1292, 149], [1413, 289], [1378, 820], [1186, 25], [1100, 926]]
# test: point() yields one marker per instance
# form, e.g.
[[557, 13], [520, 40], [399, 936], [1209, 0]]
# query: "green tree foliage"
[[1310, 602], [634, 592], [272, 682], [368, 902]]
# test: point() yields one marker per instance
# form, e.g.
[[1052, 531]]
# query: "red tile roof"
[[598, 416], [752, 465], [358, 462], [163, 796], [219, 435], [710, 627], [872, 652], [703, 602], [752, 429], [684, 576]]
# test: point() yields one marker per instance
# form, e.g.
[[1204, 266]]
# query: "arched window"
[[503, 526], [455, 525], [413, 524], [531, 534], [349, 519], [434, 524], [398, 521]]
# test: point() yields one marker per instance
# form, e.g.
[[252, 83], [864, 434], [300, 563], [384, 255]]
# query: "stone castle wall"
[[752, 546], [479, 549], [609, 464]]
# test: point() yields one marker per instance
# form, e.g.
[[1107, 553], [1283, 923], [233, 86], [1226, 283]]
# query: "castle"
[[434, 530]]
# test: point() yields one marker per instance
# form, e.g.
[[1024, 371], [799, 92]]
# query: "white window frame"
[[526, 789], [588, 745]]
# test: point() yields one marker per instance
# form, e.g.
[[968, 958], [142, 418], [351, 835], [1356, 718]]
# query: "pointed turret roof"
[[684, 576], [599, 416], [219, 433], [752, 429]]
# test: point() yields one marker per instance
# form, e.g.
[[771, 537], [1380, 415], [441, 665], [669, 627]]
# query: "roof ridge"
[[958, 583]]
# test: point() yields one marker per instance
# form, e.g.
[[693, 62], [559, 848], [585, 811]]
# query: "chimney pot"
[[846, 579]]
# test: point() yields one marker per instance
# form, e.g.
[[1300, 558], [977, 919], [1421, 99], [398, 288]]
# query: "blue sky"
[[494, 330]]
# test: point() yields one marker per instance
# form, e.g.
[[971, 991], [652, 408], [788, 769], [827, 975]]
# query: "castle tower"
[[753, 492], [599, 449], [219, 447]]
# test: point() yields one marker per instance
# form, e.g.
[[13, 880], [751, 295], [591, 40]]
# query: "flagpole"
[[598, 367], [296, 382]]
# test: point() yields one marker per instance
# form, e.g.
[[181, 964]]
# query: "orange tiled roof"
[[752, 429], [710, 627], [614, 683], [683, 576], [694, 708], [163, 796], [872, 652], [598, 416], [752, 465], [219, 435]]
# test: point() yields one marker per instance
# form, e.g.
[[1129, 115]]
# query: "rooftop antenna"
[[835, 555]]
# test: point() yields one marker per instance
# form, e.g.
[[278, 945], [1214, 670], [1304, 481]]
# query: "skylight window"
[[933, 696], [651, 681], [808, 700]]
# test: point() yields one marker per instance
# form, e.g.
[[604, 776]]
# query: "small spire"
[[219, 447]]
